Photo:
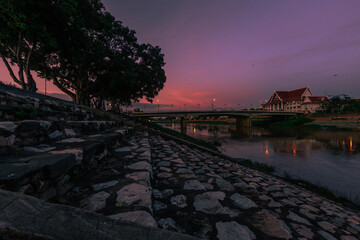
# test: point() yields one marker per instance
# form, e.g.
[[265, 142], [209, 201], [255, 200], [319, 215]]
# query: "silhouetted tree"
[[22, 32]]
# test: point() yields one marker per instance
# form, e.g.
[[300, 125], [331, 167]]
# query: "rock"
[[193, 185], [270, 225], [8, 126], [97, 201], [165, 169], [356, 227], [327, 226], [140, 166], [39, 150], [297, 218], [233, 231], [77, 152], [242, 201], [140, 217], [207, 204], [326, 235], [163, 164], [69, 132], [217, 195], [170, 224], [101, 186], [224, 185], [139, 176], [55, 134], [177, 160], [309, 208], [179, 201], [123, 151], [7, 141], [162, 194], [348, 238], [303, 231], [135, 195], [157, 206], [72, 140], [184, 171], [274, 204], [164, 175]]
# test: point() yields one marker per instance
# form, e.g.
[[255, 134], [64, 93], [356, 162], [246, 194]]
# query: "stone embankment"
[[110, 180]]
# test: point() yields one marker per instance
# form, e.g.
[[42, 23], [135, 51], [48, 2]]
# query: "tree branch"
[[62, 88], [10, 69]]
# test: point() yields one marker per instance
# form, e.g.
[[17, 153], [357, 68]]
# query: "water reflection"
[[329, 158]]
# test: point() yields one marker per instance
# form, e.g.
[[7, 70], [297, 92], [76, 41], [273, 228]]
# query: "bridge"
[[243, 117]]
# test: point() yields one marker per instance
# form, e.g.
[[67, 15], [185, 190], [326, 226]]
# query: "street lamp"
[[158, 105], [213, 104]]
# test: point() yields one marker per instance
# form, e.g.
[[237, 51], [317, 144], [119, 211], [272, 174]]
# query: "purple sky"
[[239, 52]]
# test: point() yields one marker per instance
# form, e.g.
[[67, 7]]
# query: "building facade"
[[298, 100]]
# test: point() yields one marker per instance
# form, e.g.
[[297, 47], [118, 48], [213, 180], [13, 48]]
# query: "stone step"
[[26, 217], [50, 170], [34, 132], [16, 104], [121, 188]]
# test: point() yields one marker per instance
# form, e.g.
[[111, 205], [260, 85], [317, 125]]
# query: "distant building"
[[298, 100]]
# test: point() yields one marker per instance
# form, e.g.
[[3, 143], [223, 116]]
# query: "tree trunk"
[[31, 85]]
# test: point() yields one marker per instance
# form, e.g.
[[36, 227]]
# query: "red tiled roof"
[[289, 96], [317, 99]]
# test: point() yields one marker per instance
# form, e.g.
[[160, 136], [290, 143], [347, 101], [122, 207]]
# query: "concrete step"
[[26, 217], [121, 188], [50, 170], [33, 132]]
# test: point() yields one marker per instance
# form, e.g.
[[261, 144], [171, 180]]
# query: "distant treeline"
[[341, 104]]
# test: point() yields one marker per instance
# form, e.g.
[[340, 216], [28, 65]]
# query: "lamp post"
[[213, 103], [158, 105]]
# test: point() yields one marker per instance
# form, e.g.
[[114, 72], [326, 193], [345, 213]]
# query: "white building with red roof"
[[298, 100]]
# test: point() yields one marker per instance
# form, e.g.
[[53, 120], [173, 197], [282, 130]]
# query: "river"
[[327, 158]]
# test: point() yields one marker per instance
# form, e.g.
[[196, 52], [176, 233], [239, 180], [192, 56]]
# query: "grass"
[[213, 122], [293, 122], [258, 166], [183, 136], [316, 188], [322, 191]]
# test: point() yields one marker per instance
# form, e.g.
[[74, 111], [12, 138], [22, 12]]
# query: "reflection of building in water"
[[295, 147]]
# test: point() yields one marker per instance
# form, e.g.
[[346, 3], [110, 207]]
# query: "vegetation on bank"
[[316, 188], [295, 122], [322, 191]]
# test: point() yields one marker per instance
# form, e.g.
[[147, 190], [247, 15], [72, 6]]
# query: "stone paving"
[[212, 198], [160, 183]]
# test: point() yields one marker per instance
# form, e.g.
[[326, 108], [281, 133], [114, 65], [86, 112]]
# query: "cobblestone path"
[[160, 183], [209, 197]]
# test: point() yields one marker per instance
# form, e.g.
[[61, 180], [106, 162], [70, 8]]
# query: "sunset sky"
[[240, 51]]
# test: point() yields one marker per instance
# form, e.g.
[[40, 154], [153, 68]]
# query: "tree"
[[341, 104], [22, 33], [99, 58]]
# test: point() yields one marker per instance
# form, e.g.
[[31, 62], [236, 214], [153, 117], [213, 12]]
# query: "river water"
[[327, 158]]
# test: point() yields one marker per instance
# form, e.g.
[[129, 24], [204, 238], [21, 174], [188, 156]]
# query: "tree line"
[[341, 104], [81, 48]]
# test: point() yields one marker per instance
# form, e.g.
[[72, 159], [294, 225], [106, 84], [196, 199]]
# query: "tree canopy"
[[82, 48]]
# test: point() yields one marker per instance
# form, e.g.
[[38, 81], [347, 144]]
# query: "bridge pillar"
[[183, 125], [243, 125]]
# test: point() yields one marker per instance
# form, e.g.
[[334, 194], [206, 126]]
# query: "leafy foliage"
[[342, 104], [82, 48]]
